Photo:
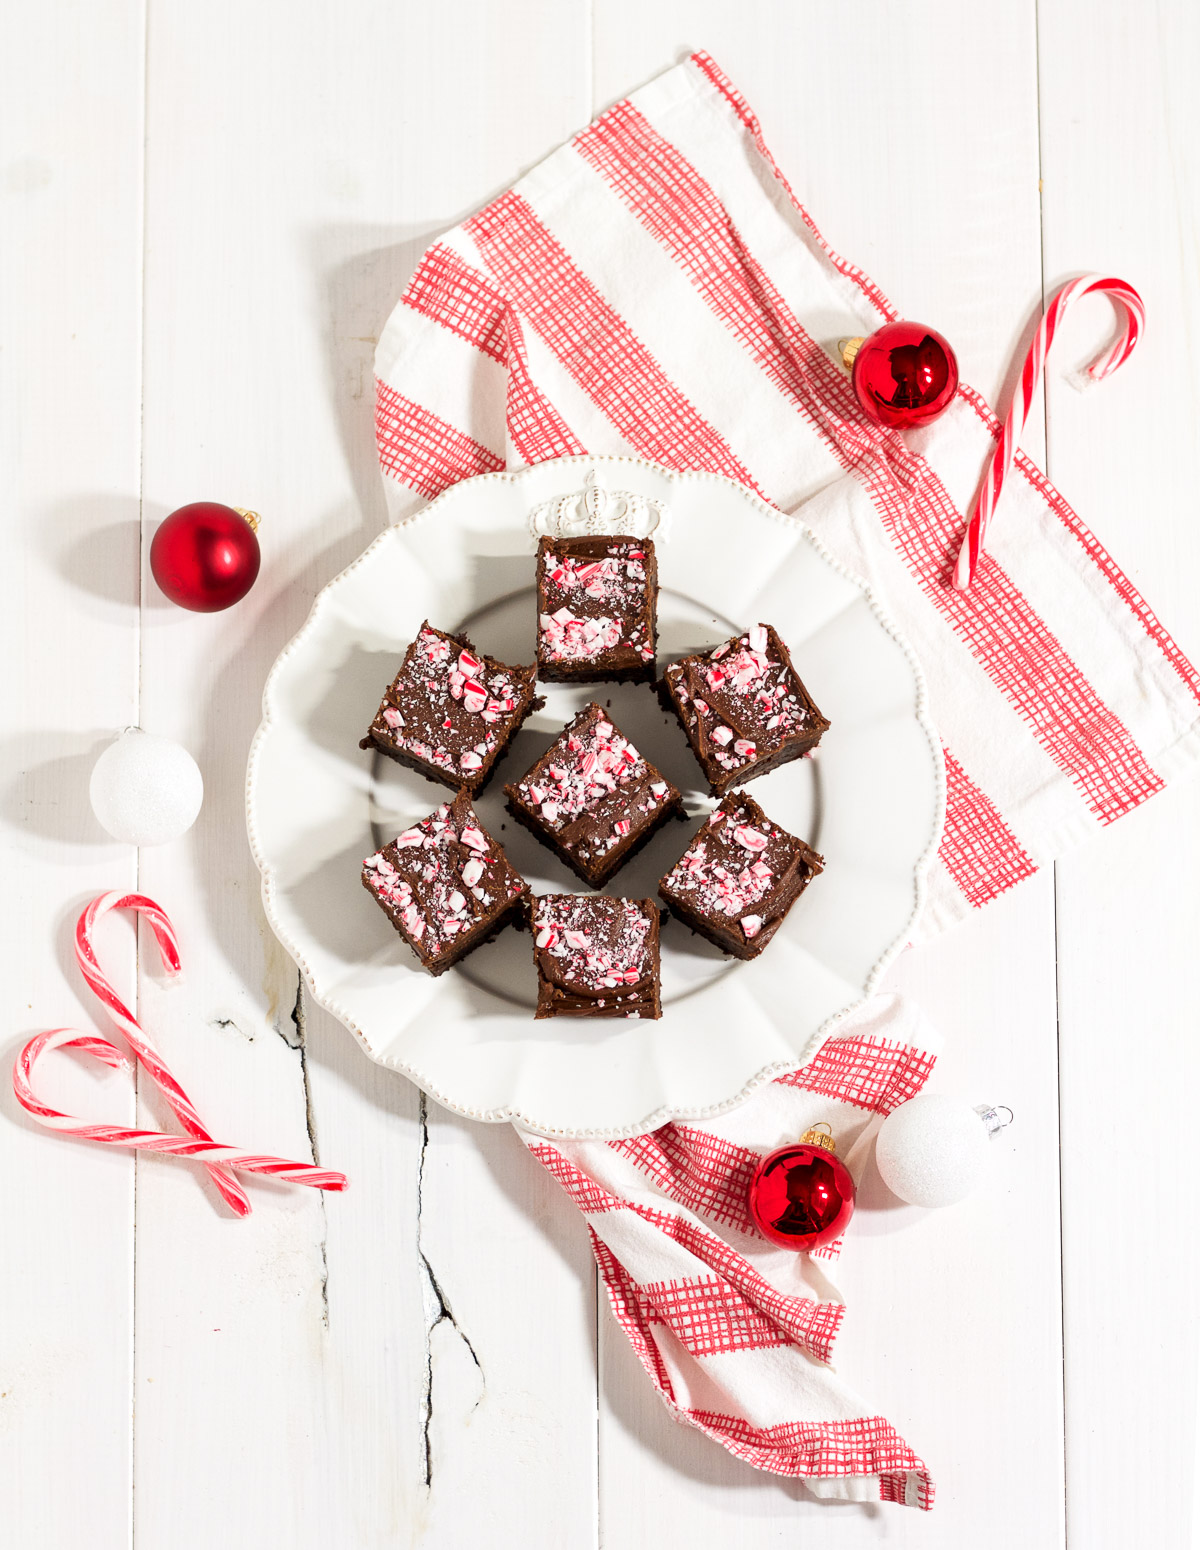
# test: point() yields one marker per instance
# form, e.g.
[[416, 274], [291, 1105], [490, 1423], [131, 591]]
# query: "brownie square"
[[445, 884], [743, 708], [739, 877], [451, 712], [596, 957], [592, 797], [597, 609]]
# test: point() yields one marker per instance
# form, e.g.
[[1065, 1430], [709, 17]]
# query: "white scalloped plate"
[[871, 802]]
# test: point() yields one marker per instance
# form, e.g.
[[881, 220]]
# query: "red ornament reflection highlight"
[[205, 556], [904, 375], [801, 1196]]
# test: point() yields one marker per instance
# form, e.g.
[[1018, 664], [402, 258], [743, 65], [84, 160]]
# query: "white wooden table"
[[209, 210]]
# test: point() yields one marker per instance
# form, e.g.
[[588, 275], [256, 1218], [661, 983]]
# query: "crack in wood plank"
[[228, 1022], [300, 1043], [437, 1311]]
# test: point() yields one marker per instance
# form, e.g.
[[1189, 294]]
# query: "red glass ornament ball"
[[801, 1196], [904, 375], [205, 556]]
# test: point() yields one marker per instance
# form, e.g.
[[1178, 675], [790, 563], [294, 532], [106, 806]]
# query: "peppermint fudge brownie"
[[739, 877], [451, 712], [743, 708], [592, 797], [596, 957], [597, 609], [445, 884]]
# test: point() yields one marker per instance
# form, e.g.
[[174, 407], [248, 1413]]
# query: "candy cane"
[[1134, 321], [217, 1157], [85, 954]]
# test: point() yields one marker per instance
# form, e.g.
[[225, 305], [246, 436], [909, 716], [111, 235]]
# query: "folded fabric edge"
[[887, 1053], [948, 907], [838, 1457]]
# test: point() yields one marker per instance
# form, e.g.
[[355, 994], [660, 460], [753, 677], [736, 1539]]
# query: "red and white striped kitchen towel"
[[734, 1333], [654, 288]]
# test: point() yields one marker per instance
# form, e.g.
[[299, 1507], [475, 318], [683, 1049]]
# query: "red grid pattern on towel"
[[978, 849], [585, 1192], [1012, 643], [420, 449], [630, 1312], [1023, 658], [535, 427], [594, 343], [447, 290], [809, 1324], [684, 213], [1095, 551], [821, 1448], [743, 110], [894, 1488], [866, 1446], [710, 1318], [706, 1173], [869, 1073]]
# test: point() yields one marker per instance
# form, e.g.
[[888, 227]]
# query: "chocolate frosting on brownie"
[[739, 877], [596, 957], [743, 707], [445, 884], [596, 608], [592, 796], [451, 712]]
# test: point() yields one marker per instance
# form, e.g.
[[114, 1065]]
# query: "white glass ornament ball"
[[146, 790], [932, 1150]]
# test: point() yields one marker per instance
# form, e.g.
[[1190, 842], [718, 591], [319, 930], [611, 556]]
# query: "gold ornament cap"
[[848, 349], [251, 517], [820, 1135]]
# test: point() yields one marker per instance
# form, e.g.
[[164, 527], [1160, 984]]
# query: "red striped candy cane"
[[85, 953], [1134, 321], [209, 1151], [217, 1157]]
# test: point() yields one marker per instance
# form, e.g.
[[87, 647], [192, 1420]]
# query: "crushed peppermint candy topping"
[[599, 943], [735, 862], [741, 701], [593, 782], [449, 707], [751, 839], [594, 602], [441, 876]]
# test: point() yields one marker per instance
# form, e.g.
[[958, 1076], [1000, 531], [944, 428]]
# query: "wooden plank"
[[513, 1430], [294, 174], [1122, 193], [856, 102], [70, 309]]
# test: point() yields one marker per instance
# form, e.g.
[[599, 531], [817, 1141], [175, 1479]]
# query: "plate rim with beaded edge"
[[476, 1052]]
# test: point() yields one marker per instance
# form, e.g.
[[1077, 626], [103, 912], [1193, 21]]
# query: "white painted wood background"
[[208, 211]]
